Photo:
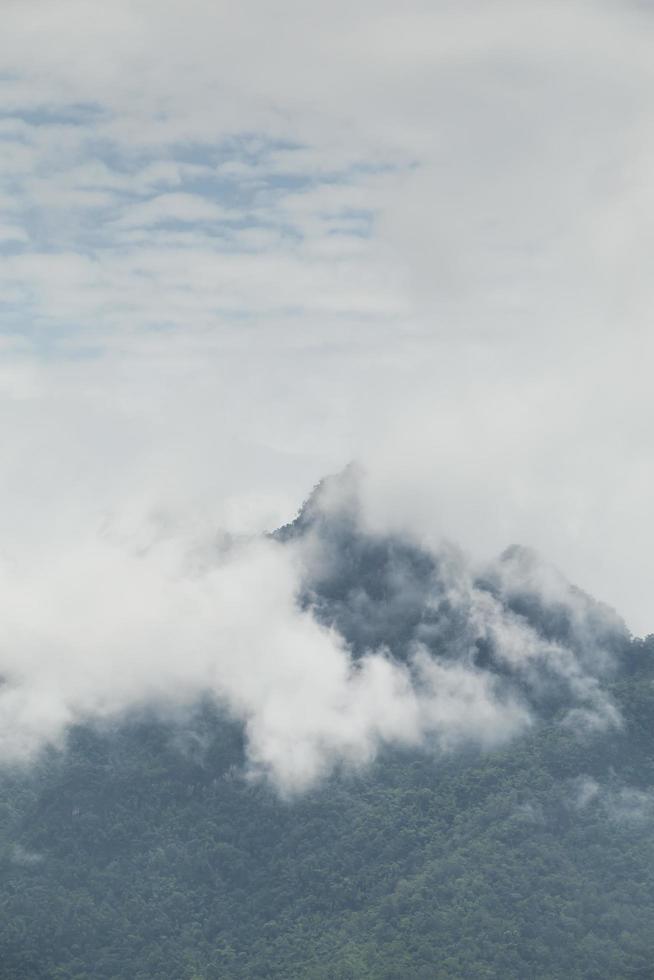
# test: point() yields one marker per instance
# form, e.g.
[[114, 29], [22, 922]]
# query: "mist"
[[117, 624]]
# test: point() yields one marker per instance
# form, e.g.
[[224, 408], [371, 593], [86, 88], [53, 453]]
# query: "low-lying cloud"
[[110, 625], [101, 630]]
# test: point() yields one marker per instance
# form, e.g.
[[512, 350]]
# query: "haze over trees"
[[152, 844]]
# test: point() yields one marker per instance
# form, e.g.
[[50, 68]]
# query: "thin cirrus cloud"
[[165, 208]]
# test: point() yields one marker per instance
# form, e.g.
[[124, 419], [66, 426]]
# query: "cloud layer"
[[102, 630], [116, 624]]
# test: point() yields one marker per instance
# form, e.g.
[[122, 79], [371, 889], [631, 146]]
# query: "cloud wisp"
[[109, 626], [97, 632]]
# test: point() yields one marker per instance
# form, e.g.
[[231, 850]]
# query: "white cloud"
[[438, 263], [155, 608], [12, 233], [112, 624], [188, 208]]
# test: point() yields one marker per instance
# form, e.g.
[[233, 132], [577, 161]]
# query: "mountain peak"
[[336, 499]]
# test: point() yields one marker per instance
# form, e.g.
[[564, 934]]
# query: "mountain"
[[147, 849]]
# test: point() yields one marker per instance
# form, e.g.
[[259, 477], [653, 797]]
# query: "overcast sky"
[[244, 243]]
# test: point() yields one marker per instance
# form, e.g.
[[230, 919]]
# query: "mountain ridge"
[[147, 847]]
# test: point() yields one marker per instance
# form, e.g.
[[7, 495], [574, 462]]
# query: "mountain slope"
[[145, 850]]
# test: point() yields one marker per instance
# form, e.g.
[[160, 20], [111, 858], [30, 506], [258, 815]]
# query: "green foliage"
[[144, 853]]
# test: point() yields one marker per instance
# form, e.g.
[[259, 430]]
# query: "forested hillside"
[[147, 848]]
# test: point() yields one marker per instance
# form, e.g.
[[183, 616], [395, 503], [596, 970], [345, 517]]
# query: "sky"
[[244, 244]]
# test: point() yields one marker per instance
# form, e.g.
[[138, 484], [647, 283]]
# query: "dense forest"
[[144, 848]]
